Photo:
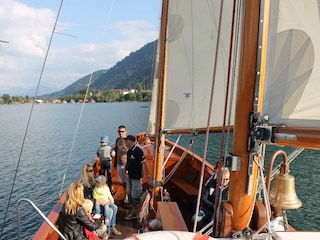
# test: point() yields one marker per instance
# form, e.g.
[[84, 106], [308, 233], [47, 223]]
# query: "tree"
[[6, 98]]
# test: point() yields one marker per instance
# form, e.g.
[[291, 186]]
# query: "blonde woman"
[[87, 180], [73, 218]]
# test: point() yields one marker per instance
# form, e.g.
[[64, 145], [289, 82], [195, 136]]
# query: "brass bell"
[[283, 194]]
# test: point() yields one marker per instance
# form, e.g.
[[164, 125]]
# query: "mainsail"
[[293, 77], [190, 60]]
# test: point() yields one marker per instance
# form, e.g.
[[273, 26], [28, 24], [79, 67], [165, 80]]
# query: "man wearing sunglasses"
[[120, 160]]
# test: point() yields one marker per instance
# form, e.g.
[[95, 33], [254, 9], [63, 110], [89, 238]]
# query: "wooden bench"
[[188, 188], [170, 216], [188, 181]]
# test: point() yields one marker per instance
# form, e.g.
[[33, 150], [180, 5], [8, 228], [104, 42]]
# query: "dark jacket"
[[209, 194], [135, 158], [71, 226], [87, 192]]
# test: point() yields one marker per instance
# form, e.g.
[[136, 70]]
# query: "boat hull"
[[169, 235]]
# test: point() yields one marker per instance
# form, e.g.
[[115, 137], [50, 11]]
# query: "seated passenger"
[[87, 180], [103, 197], [73, 218], [208, 197], [101, 232]]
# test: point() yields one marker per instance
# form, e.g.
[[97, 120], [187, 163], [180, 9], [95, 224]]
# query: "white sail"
[[153, 105], [292, 93], [192, 40]]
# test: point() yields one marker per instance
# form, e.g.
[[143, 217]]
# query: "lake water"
[[47, 148], [47, 151]]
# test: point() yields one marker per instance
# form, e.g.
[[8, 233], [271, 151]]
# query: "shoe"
[[131, 216], [96, 216], [115, 231]]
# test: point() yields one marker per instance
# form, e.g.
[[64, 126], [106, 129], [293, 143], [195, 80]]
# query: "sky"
[[90, 35]]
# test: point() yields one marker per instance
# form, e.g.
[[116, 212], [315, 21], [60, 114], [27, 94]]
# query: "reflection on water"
[[51, 144]]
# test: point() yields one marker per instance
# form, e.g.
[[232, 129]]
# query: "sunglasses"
[[91, 170], [121, 131]]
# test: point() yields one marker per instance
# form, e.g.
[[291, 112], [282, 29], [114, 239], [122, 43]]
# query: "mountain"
[[134, 71], [77, 86]]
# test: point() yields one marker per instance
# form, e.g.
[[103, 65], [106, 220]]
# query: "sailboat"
[[249, 70]]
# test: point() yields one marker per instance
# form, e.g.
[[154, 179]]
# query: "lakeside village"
[[111, 95]]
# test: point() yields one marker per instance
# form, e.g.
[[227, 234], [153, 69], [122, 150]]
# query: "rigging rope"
[[171, 151], [31, 113], [266, 197], [183, 155], [230, 80], [29, 119], [295, 153], [81, 112], [209, 118]]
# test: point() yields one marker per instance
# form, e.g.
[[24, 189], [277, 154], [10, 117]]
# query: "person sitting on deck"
[[103, 197], [100, 233], [72, 217], [87, 180], [208, 197]]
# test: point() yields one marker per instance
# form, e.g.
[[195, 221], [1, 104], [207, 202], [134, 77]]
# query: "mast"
[[159, 136], [242, 188]]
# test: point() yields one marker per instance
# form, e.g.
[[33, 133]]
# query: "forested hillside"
[[133, 72]]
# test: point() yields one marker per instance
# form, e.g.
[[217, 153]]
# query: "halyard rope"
[[29, 119]]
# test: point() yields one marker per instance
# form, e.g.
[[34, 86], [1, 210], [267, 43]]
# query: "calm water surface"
[[47, 150]]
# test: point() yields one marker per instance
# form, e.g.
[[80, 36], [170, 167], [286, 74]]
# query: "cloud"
[[135, 29], [28, 30]]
